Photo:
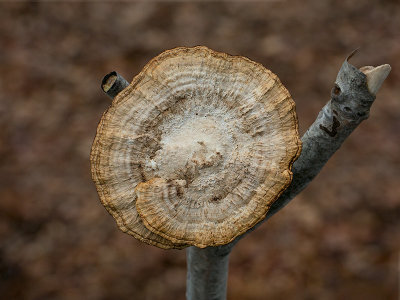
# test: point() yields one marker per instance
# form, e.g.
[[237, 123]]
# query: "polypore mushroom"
[[196, 149]]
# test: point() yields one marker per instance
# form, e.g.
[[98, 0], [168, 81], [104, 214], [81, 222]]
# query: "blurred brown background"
[[340, 238]]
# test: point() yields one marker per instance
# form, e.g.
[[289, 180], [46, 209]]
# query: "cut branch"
[[113, 83], [351, 99]]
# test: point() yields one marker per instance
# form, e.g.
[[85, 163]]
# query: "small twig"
[[113, 83]]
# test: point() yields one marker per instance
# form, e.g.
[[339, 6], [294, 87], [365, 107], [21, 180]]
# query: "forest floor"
[[339, 239]]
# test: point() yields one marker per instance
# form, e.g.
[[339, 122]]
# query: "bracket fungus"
[[196, 149]]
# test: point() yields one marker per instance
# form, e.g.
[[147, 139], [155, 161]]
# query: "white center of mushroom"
[[189, 144], [199, 146]]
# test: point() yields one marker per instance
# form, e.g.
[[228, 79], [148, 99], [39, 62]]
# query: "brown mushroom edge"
[[179, 84], [134, 227]]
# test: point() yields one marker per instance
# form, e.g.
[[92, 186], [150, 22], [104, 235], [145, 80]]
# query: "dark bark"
[[113, 83]]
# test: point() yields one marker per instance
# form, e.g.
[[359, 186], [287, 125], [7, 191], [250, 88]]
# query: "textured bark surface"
[[206, 138]]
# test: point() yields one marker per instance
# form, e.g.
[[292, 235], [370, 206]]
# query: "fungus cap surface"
[[196, 149]]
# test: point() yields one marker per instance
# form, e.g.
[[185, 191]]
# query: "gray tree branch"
[[351, 99], [207, 274]]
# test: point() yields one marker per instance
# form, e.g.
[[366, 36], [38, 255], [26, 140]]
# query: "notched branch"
[[335, 126]]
